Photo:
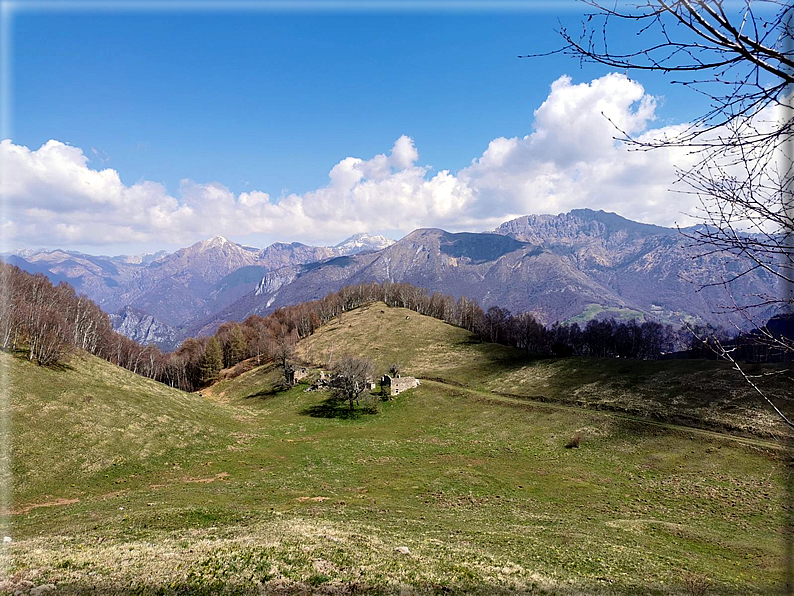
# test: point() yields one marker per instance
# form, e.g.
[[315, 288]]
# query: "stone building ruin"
[[297, 374], [394, 385]]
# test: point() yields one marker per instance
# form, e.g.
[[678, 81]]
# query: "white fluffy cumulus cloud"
[[53, 196], [570, 159]]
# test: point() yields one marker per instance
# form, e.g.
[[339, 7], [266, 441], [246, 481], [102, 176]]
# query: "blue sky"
[[271, 101]]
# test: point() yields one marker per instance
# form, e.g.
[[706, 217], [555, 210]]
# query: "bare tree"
[[350, 377], [283, 350], [529, 334], [256, 338], [740, 57]]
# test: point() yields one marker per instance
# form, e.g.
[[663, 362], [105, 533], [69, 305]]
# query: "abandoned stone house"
[[297, 374], [393, 385], [321, 383]]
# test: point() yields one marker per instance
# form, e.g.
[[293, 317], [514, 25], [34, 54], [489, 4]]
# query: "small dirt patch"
[[55, 503], [112, 495], [218, 476]]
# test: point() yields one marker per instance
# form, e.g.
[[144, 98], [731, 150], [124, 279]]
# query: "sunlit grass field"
[[121, 485]]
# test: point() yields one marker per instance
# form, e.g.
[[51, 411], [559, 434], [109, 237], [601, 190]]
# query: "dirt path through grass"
[[55, 503], [536, 403]]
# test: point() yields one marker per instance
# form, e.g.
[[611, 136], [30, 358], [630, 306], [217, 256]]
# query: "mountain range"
[[572, 266]]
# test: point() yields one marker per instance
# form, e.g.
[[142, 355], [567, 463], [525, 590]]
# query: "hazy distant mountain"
[[142, 259], [179, 288], [99, 277], [571, 266], [145, 329]]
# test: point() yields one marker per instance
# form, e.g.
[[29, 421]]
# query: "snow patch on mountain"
[[358, 243], [142, 259]]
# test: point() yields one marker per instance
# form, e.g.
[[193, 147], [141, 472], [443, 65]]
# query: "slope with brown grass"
[[123, 486]]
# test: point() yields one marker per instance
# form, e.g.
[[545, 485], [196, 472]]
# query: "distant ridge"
[[152, 297], [576, 226], [565, 267]]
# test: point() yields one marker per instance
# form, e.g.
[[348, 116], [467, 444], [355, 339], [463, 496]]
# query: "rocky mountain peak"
[[140, 259], [144, 328], [579, 226], [363, 242], [27, 252], [215, 242]]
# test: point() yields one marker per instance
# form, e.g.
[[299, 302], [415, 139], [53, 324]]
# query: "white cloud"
[[570, 159], [387, 192]]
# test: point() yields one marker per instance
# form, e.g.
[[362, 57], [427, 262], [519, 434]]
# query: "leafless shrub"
[[696, 584], [351, 376]]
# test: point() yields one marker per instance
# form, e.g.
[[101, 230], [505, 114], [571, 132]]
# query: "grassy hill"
[[123, 486], [90, 425], [699, 393]]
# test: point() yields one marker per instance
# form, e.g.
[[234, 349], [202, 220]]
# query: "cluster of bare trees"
[[273, 337], [46, 321], [605, 338]]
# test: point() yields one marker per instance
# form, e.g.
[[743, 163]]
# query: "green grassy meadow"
[[124, 486], [615, 312]]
